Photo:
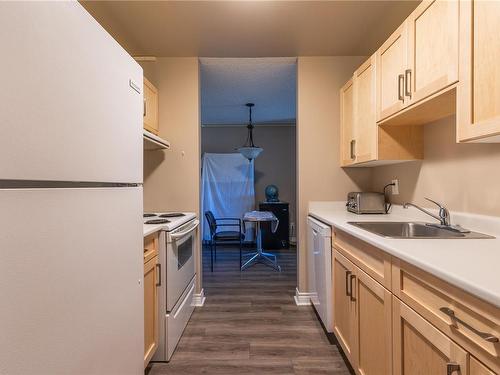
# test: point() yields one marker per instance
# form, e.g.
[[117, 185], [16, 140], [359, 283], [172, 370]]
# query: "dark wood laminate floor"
[[251, 325]]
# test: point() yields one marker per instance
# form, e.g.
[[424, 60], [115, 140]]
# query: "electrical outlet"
[[395, 187]]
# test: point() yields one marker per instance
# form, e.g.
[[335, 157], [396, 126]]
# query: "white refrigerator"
[[71, 264]]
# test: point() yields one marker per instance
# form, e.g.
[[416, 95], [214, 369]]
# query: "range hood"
[[152, 142]]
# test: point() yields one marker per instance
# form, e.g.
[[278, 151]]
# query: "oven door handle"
[[178, 235]]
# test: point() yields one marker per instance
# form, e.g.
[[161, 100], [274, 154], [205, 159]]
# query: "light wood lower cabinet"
[[375, 262], [420, 349], [467, 320], [477, 368], [362, 318], [344, 307], [150, 283], [373, 326], [389, 318]]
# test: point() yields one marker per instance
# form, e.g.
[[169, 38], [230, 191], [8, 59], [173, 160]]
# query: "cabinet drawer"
[[373, 261], [477, 368], [467, 320], [150, 246]]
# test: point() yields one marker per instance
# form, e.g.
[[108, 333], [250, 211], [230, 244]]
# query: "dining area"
[[242, 214], [231, 230]]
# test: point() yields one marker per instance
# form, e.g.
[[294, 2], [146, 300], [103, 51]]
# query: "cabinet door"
[[373, 326], [391, 65], [150, 309], [344, 306], [150, 107], [477, 368], [421, 349], [478, 95], [365, 125], [347, 141], [432, 48]]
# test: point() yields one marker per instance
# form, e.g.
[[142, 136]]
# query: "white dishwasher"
[[319, 249]]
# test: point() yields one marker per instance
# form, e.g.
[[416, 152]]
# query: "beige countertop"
[[470, 264]]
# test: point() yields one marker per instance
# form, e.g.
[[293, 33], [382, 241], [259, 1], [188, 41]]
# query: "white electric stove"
[[178, 246]]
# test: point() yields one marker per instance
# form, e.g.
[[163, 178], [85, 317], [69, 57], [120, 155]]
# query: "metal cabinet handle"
[[351, 278], [401, 79], [484, 335], [144, 108], [158, 266], [347, 292], [451, 367], [353, 145], [408, 82]]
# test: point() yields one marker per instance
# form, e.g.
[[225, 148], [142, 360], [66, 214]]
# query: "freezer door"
[[71, 269], [69, 108]]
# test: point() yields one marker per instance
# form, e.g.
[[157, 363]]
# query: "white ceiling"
[[228, 83], [250, 28]]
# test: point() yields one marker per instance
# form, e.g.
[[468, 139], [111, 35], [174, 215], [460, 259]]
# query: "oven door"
[[181, 246]]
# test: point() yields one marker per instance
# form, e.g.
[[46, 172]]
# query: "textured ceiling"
[[227, 84], [250, 28]]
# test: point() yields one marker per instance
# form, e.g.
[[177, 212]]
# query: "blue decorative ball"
[[272, 193]]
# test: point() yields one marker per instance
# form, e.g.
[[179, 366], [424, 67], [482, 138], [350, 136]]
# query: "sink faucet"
[[444, 214]]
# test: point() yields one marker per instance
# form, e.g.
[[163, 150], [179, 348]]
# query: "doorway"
[[239, 185]]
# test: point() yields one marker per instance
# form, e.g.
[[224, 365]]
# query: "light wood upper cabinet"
[[418, 66], [478, 95], [433, 30], [347, 141], [150, 110], [365, 126], [442, 60], [150, 281], [391, 66], [363, 142], [420, 349]]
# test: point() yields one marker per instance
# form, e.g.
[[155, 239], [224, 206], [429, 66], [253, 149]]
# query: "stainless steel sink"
[[392, 229]]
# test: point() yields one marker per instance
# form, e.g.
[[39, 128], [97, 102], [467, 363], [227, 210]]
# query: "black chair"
[[224, 235]]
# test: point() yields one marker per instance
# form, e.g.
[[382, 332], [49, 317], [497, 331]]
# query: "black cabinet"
[[279, 239]]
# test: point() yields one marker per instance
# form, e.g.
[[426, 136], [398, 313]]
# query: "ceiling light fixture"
[[249, 150]]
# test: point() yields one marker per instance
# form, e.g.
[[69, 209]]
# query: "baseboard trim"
[[302, 298], [199, 298]]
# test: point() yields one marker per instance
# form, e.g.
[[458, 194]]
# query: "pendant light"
[[249, 150]]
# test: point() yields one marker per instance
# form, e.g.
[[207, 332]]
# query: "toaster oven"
[[366, 203]]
